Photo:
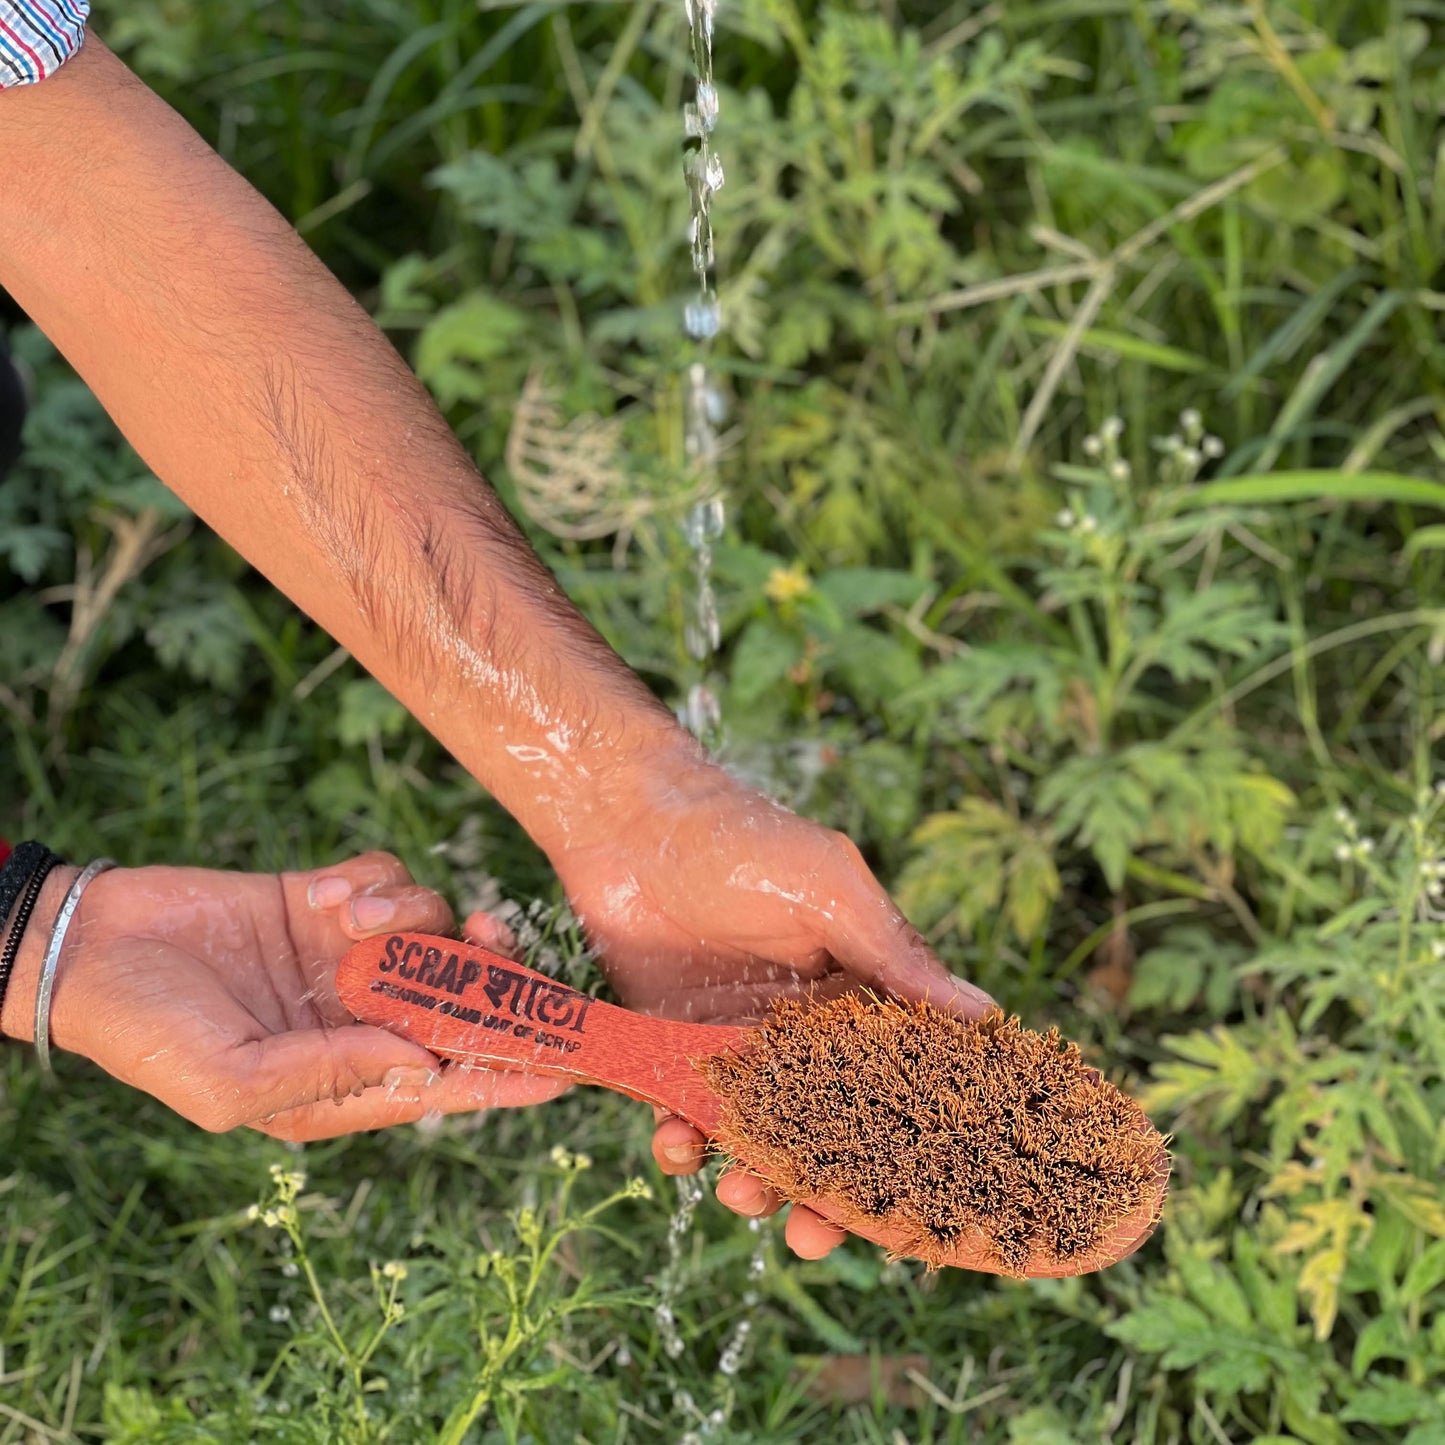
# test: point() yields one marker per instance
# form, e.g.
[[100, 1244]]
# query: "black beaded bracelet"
[[23, 875], [15, 874]]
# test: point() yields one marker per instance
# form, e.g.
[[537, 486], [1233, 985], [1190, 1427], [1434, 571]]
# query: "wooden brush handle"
[[465, 1003]]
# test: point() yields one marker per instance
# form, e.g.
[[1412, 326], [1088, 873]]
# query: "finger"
[[745, 1193], [491, 933], [411, 1097], [326, 888], [677, 1147], [872, 940], [405, 908], [286, 1071], [809, 1235]]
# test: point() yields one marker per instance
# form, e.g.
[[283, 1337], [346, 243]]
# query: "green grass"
[[1091, 703]]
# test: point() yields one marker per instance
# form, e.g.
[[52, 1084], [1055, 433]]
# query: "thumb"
[[308, 1066], [456, 1090]]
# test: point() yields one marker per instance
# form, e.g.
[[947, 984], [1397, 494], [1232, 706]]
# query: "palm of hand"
[[178, 971], [215, 992]]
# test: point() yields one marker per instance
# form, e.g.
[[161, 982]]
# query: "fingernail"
[[977, 995], [328, 892], [680, 1154], [406, 1083], [409, 1076], [370, 911], [753, 1209]]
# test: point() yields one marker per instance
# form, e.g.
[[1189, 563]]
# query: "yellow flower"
[[787, 584]]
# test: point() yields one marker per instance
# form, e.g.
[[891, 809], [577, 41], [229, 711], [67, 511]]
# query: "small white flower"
[[1191, 421], [1064, 520], [1120, 470], [1092, 446], [254, 1212], [1191, 457], [1212, 448], [1366, 846], [393, 1269], [1088, 525], [1342, 853], [1112, 428], [279, 1314]]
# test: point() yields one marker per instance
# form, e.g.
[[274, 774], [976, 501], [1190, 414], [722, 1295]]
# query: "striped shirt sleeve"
[[37, 37]]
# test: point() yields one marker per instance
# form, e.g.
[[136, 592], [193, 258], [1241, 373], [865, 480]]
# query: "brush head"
[[952, 1138]]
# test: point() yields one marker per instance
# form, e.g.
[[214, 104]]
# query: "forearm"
[[257, 389]]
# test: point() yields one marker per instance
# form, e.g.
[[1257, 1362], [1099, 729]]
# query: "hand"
[[707, 901], [215, 993]]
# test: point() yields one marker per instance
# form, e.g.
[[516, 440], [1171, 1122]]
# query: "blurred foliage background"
[[1085, 479]]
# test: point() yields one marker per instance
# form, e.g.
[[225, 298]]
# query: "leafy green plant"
[[436, 1343], [1344, 1196], [1141, 603]]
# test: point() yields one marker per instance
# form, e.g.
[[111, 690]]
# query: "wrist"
[[654, 774], [17, 1021]]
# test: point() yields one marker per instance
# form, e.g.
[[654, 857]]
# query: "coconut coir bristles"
[[938, 1125]]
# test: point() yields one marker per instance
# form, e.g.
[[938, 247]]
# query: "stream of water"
[[704, 407], [704, 413]]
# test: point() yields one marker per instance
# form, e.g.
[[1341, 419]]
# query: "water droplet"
[[705, 522], [702, 317], [703, 710], [707, 618], [712, 172]]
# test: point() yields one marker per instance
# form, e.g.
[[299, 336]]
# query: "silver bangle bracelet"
[[52, 958]]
